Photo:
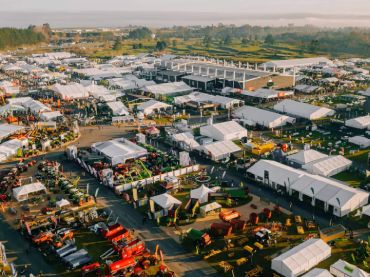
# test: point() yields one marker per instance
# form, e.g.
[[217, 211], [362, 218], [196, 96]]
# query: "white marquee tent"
[[22, 193], [306, 156], [201, 194], [301, 258], [119, 150], [165, 201], [337, 197], [361, 141], [253, 116], [328, 166], [152, 106], [362, 122], [219, 150], [229, 130], [118, 108], [71, 91], [7, 130], [209, 208], [303, 110], [62, 203], [168, 89]]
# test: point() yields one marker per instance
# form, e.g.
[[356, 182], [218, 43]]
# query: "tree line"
[[13, 37]]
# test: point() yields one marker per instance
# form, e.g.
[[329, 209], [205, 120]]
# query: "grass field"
[[250, 52], [351, 178]]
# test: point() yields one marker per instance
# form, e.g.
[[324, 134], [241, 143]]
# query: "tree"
[[314, 45], [244, 41], [117, 44], [207, 40], [227, 39], [269, 39], [161, 45], [140, 33], [174, 43]]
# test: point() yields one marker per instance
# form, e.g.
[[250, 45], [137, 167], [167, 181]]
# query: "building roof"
[[262, 117], [168, 88], [264, 93], [165, 201], [360, 140], [318, 272], [297, 62], [229, 130], [362, 122], [201, 192], [8, 129], [199, 78], [303, 110], [118, 150], [306, 156], [201, 97], [118, 108], [350, 270], [71, 91], [219, 148], [301, 258], [150, 106], [328, 166], [22, 191]]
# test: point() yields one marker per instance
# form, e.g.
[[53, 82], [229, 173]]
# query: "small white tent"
[[318, 272], [210, 208], [201, 194], [62, 203], [301, 258], [343, 269], [165, 201]]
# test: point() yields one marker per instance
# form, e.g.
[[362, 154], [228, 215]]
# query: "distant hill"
[[12, 37]]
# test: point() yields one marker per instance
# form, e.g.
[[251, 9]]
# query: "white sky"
[[225, 6]]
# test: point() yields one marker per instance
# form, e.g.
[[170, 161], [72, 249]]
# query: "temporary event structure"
[[362, 122], [301, 258], [219, 150], [210, 208], [318, 272], [361, 141], [23, 193], [201, 194], [165, 201], [343, 269], [229, 130], [62, 203]]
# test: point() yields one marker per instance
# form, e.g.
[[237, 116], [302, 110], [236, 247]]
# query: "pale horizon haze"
[[119, 13]]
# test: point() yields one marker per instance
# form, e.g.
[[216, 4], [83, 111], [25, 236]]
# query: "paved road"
[[180, 261]]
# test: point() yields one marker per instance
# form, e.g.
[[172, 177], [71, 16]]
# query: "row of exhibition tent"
[[305, 256], [328, 194], [9, 148]]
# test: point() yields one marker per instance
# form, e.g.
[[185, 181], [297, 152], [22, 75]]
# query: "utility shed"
[[229, 130], [362, 122], [301, 258], [302, 110], [119, 150], [253, 116]]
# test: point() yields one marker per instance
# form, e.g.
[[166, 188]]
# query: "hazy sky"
[[229, 6]]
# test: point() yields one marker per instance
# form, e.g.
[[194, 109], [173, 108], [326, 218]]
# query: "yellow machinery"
[[260, 148]]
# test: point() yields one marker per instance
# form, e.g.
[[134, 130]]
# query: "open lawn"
[[351, 178]]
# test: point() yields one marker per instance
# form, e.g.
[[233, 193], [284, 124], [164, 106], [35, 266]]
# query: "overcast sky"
[[229, 6]]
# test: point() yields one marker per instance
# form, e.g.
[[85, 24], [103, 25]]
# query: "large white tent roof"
[[119, 150], [361, 141], [264, 93], [165, 201], [318, 272], [297, 62], [118, 108], [219, 149], [262, 117], [342, 197], [303, 110], [306, 156], [328, 166], [362, 122], [150, 106], [201, 97], [49, 116], [71, 91], [8, 129], [168, 88], [301, 258], [229, 130]]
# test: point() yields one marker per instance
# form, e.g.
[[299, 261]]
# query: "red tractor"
[[122, 267], [130, 249], [112, 230]]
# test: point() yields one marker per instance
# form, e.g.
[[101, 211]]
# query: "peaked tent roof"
[[165, 200], [306, 156]]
